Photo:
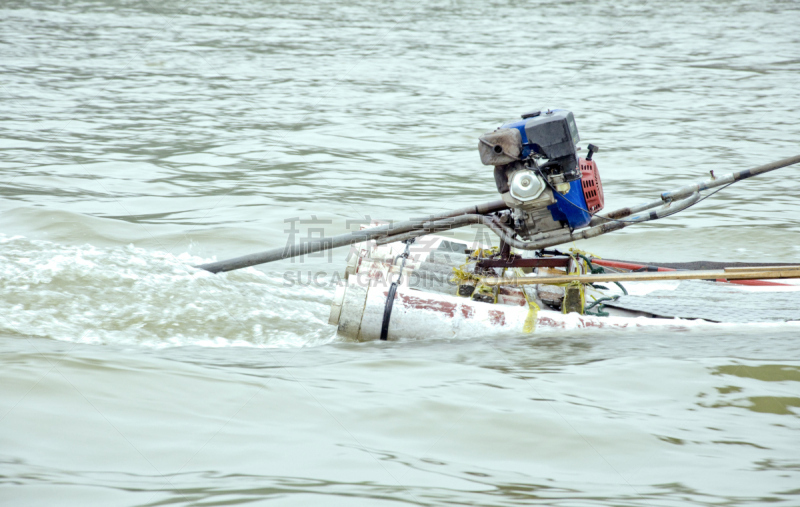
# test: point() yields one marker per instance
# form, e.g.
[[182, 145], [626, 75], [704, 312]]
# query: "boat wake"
[[132, 296]]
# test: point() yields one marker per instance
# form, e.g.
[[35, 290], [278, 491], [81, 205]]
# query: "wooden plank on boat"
[[714, 274], [760, 268]]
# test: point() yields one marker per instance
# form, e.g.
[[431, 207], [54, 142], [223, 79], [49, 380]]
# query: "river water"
[[140, 138]]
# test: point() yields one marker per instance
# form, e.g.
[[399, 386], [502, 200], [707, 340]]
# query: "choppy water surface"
[[140, 138]]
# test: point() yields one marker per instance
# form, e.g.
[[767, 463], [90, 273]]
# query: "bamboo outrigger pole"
[[745, 273]]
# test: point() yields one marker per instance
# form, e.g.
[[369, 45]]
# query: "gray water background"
[[139, 138]]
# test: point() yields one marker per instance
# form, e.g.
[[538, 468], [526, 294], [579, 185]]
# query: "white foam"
[[132, 296]]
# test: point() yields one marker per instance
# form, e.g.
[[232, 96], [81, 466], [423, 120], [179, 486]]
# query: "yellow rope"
[[533, 309], [487, 289], [578, 251], [461, 275]]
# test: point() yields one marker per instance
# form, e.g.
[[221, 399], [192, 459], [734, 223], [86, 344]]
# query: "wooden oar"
[[743, 273]]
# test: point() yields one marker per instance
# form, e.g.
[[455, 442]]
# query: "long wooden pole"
[[755, 273]]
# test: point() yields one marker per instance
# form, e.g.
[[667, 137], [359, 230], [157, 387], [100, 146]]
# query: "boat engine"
[[539, 174]]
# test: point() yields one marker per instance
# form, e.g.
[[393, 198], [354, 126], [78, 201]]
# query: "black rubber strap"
[[387, 310]]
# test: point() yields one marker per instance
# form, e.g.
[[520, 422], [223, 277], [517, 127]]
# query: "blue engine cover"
[[554, 142], [569, 208]]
